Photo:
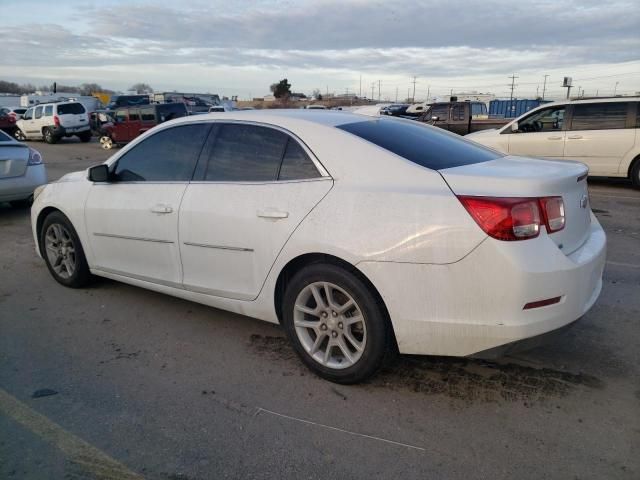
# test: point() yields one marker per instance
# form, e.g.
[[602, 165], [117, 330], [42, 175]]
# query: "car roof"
[[592, 100], [329, 118]]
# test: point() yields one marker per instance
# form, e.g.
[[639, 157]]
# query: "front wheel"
[[106, 142], [63, 252], [19, 135], [336, 324]]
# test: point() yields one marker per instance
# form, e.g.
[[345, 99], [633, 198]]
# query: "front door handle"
[[272, 214], [575, 137], [161, 208], [554, 138]]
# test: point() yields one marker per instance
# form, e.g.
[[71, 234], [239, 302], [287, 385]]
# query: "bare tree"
[[142, 88]]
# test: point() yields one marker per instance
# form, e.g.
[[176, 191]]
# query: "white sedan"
[[359, 235]]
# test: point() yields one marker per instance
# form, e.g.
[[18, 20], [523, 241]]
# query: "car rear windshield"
[[71, 108], [427, 146]]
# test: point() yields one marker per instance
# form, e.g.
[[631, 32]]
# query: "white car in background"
[[53, 121], [21, 171], [603, 133], [359, 235]]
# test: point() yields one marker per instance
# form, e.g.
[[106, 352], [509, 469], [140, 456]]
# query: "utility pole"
[[537, 90], [615, 89], [544, 87], [360, 93], [379, 82], [513, 86], [396, 94], [428, 91], [373, 86], [413, 97]]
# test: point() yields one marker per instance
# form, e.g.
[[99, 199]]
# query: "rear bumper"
[[476, 304], [21, 188], [67, 132]]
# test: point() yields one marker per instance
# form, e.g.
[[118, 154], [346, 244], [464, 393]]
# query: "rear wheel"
[[635, 173], [63, 252], [48, 136], [335, 323]]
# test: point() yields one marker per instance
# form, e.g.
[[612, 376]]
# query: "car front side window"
[[545, 120], [28, 115], [39, 112], [168, 156]]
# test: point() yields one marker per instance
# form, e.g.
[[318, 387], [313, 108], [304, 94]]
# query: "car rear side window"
[[168, 156], [246, 153], [296, 164], [39, 111], [148, 114], [134, 115], [427, 146], [4, 137], [599, 116], [71, 108]]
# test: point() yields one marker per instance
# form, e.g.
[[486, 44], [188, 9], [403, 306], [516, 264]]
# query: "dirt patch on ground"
[[467, 380]]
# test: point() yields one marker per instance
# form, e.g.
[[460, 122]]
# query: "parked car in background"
[[316, 107], [21, 171], [218, 108], [395, 109], [17, 112], [130, 122], [418, 108], [7, 121], [53, 121], [460, 117], [127, 101], [268, 214], [603, 133]]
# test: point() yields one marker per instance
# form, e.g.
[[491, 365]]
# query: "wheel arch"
[[632, 164], [44, 213], [298, 263]]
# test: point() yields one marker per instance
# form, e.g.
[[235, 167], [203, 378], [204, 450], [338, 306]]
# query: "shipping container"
[[512, 108]]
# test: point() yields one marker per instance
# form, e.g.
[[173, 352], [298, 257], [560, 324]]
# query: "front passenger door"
[[132, 221], [540, 134]]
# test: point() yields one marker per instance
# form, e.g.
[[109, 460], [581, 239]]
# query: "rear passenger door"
[[600, 135], [251, 190]]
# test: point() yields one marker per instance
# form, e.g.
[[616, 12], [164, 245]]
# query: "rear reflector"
[[542, 303]]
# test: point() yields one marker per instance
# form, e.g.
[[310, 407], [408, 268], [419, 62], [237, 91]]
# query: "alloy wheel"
[[330, 325], [60, 250]]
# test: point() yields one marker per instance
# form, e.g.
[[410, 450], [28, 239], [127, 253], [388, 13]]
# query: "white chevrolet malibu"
[[359, 235]]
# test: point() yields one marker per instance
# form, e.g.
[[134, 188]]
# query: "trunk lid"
[[528, 177], [13, 160]]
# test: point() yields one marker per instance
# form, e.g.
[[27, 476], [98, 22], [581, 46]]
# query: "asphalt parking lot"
[[118, 382]]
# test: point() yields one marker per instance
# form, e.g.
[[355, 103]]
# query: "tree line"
[[82, 89]]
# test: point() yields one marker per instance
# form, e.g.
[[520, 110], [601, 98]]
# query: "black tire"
[[635, 173], [85, 137], [81, 276], [48, 136], [378, 334], [19, 135]]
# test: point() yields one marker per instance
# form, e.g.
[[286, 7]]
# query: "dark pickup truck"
[[461, 117]]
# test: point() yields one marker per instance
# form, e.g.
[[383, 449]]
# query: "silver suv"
[[52, 121]]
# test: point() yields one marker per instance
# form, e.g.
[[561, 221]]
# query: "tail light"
[[34, 157], [56, 120], [515, 218]]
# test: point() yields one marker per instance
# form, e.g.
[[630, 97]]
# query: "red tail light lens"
[[505, 218], [553, 209], [56, 121], [520, 218]]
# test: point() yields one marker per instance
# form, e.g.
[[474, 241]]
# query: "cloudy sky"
[[240, 47]]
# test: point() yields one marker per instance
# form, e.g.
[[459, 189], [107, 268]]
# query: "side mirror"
[[99, 173], [514, 127], [435, 118]]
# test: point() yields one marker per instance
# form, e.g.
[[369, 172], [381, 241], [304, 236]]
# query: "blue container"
[[512, 108]]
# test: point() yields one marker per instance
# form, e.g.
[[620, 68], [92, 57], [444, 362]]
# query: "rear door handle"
[[160, 208], [575, 137], [272, 214], [554, 138]]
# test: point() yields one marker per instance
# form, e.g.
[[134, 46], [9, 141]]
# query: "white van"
[[600, 132], [52, 121]]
